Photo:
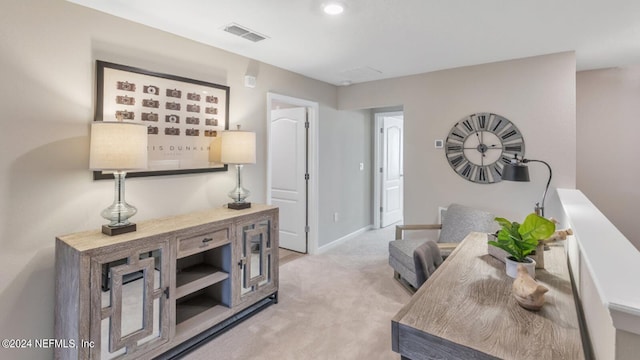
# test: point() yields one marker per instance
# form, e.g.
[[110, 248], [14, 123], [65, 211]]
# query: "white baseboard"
[[336, 242]]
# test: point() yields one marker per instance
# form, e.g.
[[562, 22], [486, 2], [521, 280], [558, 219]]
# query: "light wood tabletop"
[[466, 310]]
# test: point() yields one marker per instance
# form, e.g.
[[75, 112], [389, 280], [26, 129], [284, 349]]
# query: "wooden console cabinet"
[[138, 295]]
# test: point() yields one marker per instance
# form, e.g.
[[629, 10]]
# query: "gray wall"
[[47, 96], [608, 104], [537, 94], [346, 138]]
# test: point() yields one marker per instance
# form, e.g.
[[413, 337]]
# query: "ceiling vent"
[[244, 32], [365, 73]]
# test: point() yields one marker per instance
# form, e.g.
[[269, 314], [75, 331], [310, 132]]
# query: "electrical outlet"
[[361, 166]]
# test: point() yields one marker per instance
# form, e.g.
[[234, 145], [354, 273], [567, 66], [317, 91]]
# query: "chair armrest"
[[401, 228], [447, 246]]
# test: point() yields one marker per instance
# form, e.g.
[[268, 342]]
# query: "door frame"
[[312, 205], [377, 160]]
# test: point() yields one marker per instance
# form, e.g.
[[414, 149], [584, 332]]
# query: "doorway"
[[292, 169], [389, 180]]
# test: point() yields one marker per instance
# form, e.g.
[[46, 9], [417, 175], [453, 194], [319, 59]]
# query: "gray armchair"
[[407, 255]]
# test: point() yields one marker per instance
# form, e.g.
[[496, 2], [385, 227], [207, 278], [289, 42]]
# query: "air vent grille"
[[244, 32], [361, 73]]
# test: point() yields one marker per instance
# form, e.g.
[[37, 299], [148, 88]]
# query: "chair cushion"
[[402, 251], [408, 274], [460, 220]]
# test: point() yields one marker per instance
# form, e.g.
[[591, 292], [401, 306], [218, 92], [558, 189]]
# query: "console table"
[[142, 294], [466, 310]]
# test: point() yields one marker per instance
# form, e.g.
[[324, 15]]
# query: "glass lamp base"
[[119, 212], [239, 193]]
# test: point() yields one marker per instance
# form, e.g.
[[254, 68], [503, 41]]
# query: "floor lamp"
[[518, 171]]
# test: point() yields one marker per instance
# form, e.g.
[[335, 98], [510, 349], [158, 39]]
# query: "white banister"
[[606, 268]]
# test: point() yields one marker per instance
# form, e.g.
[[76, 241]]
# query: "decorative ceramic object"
[[538, 255], [558, 235], [512, 267], [527, 292]]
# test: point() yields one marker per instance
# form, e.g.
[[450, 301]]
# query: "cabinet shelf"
[[198, 277], [198, 309]]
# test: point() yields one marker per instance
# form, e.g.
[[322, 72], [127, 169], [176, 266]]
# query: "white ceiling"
[[378, 39]]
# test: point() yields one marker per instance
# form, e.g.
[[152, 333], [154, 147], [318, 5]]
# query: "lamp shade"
[[118, 146], [238, 147], [215, 155], [515, 172]]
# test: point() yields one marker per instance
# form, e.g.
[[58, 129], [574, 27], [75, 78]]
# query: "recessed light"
[[333, 8]]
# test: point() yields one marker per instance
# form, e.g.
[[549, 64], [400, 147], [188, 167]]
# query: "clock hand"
[[476, 148]]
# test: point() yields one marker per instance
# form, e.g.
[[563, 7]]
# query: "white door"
[[392, 181], [288, 149]]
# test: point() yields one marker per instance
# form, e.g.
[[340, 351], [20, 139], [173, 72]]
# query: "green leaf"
[[509, 230], [528, 246], [536, 228], [503, 246], [503, 222]]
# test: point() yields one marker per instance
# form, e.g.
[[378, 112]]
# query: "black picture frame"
[[189, 112]]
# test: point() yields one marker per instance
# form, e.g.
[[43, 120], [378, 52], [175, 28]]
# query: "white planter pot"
[[512, 267]]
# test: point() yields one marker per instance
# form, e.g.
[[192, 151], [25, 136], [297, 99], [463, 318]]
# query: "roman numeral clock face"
[[478, 147]]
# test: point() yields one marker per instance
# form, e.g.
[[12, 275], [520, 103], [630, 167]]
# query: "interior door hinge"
[[381, 130], [166, 292], [306, 124], [380, 170], [306, 176], [381, 209], [307, 229]]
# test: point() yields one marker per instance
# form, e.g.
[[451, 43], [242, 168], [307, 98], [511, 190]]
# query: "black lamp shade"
[[515, 172]]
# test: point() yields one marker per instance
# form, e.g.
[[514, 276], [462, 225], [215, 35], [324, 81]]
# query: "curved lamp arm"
[[540, 208]]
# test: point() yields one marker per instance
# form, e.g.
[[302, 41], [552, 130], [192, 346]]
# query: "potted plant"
[[520, 240]]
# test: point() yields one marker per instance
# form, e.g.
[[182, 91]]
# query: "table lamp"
[[518, 171], [117, 147], [238, 148]]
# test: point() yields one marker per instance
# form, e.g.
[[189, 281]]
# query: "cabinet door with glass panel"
[[129, 300], [257, 248]]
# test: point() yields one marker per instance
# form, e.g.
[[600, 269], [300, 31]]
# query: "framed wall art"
[[182, 116]]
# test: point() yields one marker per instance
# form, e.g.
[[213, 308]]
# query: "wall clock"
[[479, 145]]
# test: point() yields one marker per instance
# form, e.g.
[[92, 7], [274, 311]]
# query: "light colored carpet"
[[336, 305], [285, 256]]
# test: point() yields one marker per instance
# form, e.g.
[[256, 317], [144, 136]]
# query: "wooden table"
[[466, 311]]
